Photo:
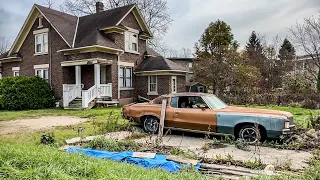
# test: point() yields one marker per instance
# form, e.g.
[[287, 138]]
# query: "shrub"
[[19, 93], [242, 144], [47, 139]]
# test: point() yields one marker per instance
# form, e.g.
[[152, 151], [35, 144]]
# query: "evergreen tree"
[[255, 57], [286, 55]]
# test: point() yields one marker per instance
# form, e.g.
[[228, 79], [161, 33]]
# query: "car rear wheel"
[[151, 124], [250, 134]]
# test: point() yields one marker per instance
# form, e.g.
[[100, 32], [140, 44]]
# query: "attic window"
[[131, 40], [40, 22]]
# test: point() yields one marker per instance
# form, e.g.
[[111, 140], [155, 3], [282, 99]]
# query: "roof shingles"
[[158, 63]]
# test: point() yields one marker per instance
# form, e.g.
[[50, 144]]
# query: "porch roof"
[[86, 62]]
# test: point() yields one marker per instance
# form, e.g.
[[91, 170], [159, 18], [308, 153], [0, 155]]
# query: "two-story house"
[[103, 55]]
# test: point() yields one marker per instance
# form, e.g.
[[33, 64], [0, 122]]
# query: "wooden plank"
[[232, 168], [143, 155], [182, 160], [162, 116]]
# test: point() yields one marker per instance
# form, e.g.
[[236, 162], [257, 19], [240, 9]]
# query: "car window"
[[174, 102], [193, 102]]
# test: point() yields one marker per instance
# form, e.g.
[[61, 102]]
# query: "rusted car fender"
[[227, 122]]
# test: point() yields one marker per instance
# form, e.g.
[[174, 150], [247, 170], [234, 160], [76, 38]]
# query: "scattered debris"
[[182, 160], [143, 155], [269, 168]]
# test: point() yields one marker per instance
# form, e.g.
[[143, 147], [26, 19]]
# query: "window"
[[43, 73], [194, 102], [41, 43], [16, 73], [190, 65], [174, 102], [201, 89], [131, 40], [174, 84], [152, 85], [125, 77], [40, 22]]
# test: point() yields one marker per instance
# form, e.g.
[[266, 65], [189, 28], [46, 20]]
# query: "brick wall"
[[27, 52]]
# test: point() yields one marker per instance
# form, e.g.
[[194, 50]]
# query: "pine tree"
[[286, 55]]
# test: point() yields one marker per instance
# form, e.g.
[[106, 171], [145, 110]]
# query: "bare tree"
[[155, 13], [48, 4], [185, 53], [4, 45], [306, 37]]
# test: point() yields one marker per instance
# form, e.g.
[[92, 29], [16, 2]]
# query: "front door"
[[187, 114]]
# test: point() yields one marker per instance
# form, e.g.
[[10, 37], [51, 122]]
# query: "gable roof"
[[81, 31], [64, 23], [88, 29], [158, 63]]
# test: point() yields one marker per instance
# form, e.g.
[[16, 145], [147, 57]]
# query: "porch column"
[[97, 74], [78, 79]]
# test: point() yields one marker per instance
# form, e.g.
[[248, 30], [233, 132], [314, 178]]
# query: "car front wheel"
[[250, 134], [151, 125]]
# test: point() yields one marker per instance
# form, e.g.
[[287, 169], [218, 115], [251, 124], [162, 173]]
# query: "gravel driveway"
[[44, 122]]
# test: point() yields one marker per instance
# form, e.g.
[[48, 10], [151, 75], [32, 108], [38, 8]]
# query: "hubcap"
[[250, 135], [151, 125]]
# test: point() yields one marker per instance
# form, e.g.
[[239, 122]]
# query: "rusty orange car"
[[206, 113]]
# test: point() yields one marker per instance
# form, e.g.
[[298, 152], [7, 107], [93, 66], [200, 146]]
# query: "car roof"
[[186, 94]]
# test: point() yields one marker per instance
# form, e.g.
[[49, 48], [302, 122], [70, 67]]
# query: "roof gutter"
[[94, 48]]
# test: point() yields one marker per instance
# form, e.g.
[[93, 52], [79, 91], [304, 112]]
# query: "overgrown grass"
[[20, 161], [301, 115]]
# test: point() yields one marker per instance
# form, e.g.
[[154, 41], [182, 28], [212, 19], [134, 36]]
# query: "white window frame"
[[124, 77], [40, 22], [190, 64], [174, 89], [149, 84], [44, 43], [42, 73], [129, 40], [16, 71]]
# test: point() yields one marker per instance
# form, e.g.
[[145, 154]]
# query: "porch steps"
[[76, 104]]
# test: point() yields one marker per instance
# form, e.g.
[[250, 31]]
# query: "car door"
[[193, 118]]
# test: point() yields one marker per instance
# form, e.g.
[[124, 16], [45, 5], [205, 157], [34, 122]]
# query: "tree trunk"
[[318, 81]]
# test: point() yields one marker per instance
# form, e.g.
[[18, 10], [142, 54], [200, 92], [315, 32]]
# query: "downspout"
[[118, 61], [50, 57]]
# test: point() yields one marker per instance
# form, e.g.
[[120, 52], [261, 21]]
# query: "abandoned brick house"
[[94, 57]]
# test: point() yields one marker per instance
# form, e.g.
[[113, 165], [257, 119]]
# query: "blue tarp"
[[158, 162]]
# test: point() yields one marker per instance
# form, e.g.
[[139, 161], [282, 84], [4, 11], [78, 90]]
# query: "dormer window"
[[40, 22], [131, 40]]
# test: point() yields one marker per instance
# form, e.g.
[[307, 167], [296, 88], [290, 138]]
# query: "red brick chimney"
[[99, 7]]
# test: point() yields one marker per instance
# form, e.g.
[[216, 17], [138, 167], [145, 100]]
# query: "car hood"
[[257, 111]]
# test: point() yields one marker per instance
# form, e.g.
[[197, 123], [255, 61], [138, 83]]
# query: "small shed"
[[196, 87]]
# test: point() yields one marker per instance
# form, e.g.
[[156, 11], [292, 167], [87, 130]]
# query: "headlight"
[[286, 125]]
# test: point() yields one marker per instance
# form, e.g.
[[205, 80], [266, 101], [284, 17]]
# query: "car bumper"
[[288, 131]]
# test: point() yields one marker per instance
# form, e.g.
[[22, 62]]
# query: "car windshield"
[[215, 102]]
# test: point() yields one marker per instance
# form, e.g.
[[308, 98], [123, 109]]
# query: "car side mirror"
[[202, 107]]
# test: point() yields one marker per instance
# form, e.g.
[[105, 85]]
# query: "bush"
[[19, 93], [47, 139]]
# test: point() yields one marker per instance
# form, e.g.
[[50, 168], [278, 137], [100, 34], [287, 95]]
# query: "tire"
[[250, 134], [151, 124]]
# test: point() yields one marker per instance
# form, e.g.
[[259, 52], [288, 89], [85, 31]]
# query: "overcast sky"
[[191, 17]]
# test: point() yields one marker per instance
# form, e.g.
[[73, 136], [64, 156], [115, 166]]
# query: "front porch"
[[90, 82]]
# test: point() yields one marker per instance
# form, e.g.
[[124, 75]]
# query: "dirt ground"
[[268, 155], [44, 122]]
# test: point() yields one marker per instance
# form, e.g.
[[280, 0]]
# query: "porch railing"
[[89, 95], [70, 92], [105, 90]]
